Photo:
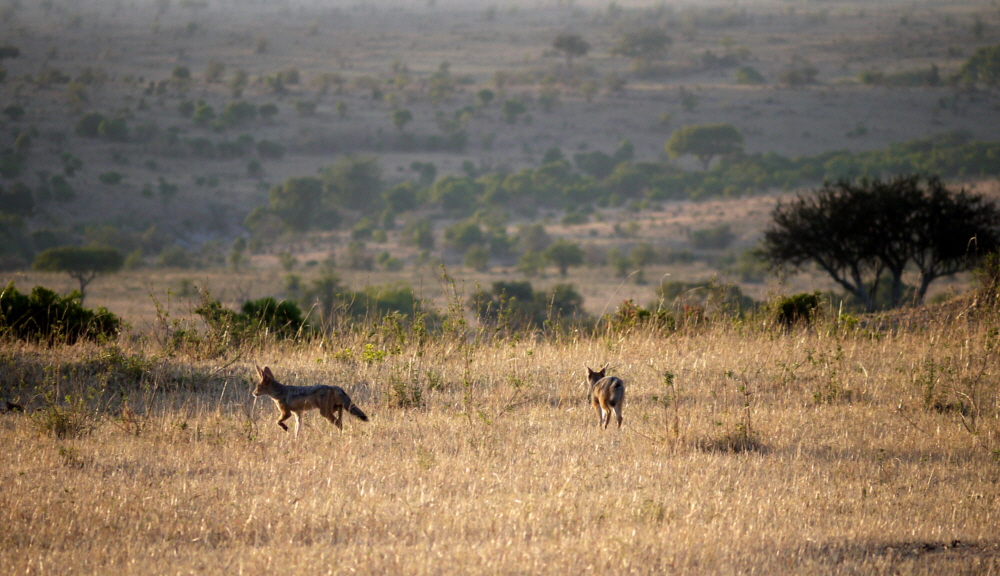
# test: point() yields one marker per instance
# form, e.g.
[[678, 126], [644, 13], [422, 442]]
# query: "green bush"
[[379, 301], [44, 316], [703, 294], [516, 305], [114, 129], [88, 124], [749, 75], [260, 318], [282, 318], [629, 315], [797, 308], [237, 112], [713, 238]]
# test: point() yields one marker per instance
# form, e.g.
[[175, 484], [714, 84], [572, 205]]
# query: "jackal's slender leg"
[[600, 414], [327, 412], [298, 423], [285, 414], [618, 414], [340, 417]]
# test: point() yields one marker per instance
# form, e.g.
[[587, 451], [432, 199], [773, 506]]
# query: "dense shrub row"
[[44, 316], [600, 179]]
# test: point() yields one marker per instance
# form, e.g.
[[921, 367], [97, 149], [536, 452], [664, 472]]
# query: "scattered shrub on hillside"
[[271, 150], [517, 306], [797, 308], [601, 179], [44, 316], [749, 75], [14, 112], [176, 257], [266, 317], [707, 295], [267, 111], [88, 124], [16, 249], [305, 107], [379, 301], [114, 129], [798, 75], [629, 315], [982, 68], [17, 201], [237, 112], [713, 238], [419, 233]]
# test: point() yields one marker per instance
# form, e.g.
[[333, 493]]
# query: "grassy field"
[[863, 445], [836, 449]]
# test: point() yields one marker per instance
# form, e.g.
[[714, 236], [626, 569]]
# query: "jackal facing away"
[[298, 399], [607, 393]]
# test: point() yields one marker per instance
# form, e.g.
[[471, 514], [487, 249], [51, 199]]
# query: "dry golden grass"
[[858, 459]]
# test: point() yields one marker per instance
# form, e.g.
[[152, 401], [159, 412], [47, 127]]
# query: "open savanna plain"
[[846, 447], [859, 444]]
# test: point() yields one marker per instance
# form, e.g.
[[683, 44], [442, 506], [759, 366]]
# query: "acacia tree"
[[953, 231], [298, 201], [564, 254], [983, 67], [83, 263], [856, 232], [353, 182], [705, 141], [573, 46]]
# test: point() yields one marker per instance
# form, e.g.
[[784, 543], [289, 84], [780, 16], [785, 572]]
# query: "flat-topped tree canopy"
[[83, 263]]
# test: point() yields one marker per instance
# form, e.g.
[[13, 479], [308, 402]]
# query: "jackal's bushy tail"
[[357, 413]]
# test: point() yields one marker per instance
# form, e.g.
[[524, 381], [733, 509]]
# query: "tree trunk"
[[896, 295], [84, 279], [925, 282]]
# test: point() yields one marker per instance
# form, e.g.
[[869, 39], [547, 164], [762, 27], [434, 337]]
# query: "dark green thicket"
[[797, 308], [516, 305], [44, 316], [706, 294], [263, 318], [630, 316], [282, 318]]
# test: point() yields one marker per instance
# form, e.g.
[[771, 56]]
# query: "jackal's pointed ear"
[[589, 371], [267, 372], [259, 371], [605, 367]]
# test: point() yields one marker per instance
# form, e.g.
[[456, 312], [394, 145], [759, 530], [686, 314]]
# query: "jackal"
[[298, 399], [607, 393]]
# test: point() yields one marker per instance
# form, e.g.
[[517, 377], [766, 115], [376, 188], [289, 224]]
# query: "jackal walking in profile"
[[330, 400], [607, 393]]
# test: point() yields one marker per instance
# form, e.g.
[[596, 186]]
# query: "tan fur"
[[331, 401], [607, 394]]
